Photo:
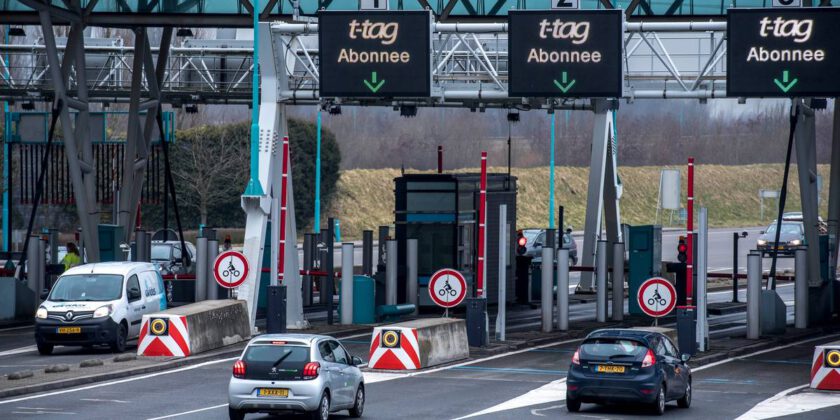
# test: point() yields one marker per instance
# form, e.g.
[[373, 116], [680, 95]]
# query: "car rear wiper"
[[620, 355], [281, 359]]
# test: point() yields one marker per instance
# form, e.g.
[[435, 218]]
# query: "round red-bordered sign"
[[657, 297], [230, 269], [447, 288]]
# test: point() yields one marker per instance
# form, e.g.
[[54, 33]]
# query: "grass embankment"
[[365, 197]]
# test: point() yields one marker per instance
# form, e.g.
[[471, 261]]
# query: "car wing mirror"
[[45, 293], [357, 361], [685, 357], [761, 233], [538, 244]]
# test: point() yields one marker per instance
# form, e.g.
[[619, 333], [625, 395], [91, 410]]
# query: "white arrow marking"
[[548, 393], [784, 404]]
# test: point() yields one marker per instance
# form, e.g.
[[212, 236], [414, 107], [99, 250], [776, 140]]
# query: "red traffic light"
[[522, 241], [682, 248]]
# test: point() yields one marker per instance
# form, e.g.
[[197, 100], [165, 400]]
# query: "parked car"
[[279, 373], [628, 365], [169, 257], [100, 303], [535, 239]]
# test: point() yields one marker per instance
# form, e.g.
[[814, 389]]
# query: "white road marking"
[[189, 412], [784, 404], [718, 363], [548, 393], [120, 381], [102, 400], [538, 411], [778, 286], [19, 350], [16, 328], [353, 336]]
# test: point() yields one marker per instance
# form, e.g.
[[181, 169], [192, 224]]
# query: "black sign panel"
[[374, 54], [783, 53], [565, 53]]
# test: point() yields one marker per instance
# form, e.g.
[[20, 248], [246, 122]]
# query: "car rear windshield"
[[282, 356], [604, 348], [87, 287]]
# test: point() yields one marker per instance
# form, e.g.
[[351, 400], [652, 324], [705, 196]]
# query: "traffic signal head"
[[521, 241], [682, 249]]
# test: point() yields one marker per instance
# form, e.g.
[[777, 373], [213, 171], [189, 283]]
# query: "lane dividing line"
[[718, 363], [18, 350], [189, 412]]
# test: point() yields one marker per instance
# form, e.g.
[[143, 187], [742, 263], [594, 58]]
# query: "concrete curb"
[[119, 374]]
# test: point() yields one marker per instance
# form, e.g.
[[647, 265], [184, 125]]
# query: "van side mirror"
[[357, 361], [538, 244], [45, 293], [685, 357], [133, 293], [761, 233]]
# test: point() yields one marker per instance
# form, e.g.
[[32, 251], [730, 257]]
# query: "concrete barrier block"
[[194, 328], [825, 368], [418, 344]]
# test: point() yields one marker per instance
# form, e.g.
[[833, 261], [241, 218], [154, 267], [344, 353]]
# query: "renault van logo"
[[69, 315]]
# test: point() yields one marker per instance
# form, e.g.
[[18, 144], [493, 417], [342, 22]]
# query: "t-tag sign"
[[783, 52], [567, 53], [375, 54], [565, 4]]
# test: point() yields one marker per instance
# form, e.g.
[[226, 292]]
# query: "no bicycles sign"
[[447, 288], [657, 297], [230, 269]]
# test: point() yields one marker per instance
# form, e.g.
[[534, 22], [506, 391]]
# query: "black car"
[[628, 366]]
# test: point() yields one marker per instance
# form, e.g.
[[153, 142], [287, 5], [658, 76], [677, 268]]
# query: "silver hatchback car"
[[296, 372]]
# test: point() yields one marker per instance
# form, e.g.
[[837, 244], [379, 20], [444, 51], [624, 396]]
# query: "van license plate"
[[609, 369], [273, 392], [69, 330]]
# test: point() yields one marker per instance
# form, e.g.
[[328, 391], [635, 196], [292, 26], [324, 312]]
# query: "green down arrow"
[[786, 83], [566, 85], [373, 85]]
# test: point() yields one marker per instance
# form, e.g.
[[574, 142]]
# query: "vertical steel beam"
[[753, 296], [504, 242], [834, 185], [411, 262], [133, 132], [595, 195], [347, 283], [618, 282], [563, 289], [601, 286], [546, 297], [806, 165], [391, 273], [702, 268], [800, 291]]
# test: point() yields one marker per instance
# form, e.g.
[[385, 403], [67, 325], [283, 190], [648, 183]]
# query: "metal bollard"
[[601, 282], [367, 252], [212, 253], [800, 291], [504, 242], [547, 301], [753, 296], [32, 265], [563, 289], [411, 249], [347, 283], [328, 291], [201, 282], [391, 273], [308, 239], [618, 282], [142, 245]]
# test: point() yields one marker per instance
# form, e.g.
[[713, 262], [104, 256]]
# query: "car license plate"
[[69, 330], [273, 392], [609, 369]]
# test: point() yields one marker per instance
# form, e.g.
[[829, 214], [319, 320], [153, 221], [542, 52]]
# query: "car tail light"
[[239, 369], [649, 359], [523, 241], [576, 357], [311, 369]]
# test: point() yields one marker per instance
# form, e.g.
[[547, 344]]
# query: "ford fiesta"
[[628, 366]]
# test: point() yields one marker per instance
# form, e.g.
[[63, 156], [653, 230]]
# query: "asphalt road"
[[523, 384]]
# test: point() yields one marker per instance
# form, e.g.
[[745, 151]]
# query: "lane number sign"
[[447, 288], [657, 297], [230, 269]]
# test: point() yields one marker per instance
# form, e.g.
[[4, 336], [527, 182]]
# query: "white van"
[[100, 303]]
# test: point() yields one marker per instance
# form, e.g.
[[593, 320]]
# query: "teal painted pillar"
[[254, 187], [7, 233], [318, 177], [551, 176]]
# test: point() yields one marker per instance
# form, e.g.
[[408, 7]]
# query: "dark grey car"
[[791, 238], [535, 240]]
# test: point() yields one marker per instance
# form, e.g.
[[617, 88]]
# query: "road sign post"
[[787, 52], [230, 269], [565, 53], [374, 54]]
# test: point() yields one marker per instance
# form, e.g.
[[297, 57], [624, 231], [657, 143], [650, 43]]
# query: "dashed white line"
[[189, 412]]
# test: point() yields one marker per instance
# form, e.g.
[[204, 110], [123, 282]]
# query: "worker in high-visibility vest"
[[72, 258]]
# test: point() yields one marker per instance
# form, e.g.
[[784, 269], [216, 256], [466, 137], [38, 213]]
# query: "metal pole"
[[689, 268], [753, 295], [481, 270], [735, 237], [307, 266], [53, 245], [563, 289], [42, 269], [274, 235], [347, 283], [318, 176], [503, 255], [601, 282], [551, 179], [201, 267], [391, 273], [440, 159], [7, 226], [383, 241], [702, 269], [800, 292], [254, 187], [411, 261], [142, 245], [618, 282], [547, 301], [32, 266], [329, 283], [367, 252], [212, 253]]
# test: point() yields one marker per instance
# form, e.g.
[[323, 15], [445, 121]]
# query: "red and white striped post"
[[482, 217], [284, 185], [689, 226]]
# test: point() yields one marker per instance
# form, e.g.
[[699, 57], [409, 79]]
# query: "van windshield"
[[87, 287]]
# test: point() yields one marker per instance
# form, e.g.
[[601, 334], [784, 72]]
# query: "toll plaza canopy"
[[236, 13]]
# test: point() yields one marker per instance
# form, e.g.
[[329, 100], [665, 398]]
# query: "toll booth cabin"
[[441, 212]]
